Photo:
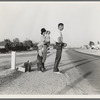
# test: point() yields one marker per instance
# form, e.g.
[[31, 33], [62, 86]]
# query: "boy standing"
[[41, 49], [59, 45]]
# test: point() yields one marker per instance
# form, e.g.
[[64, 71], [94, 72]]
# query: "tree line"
[[16, 45]]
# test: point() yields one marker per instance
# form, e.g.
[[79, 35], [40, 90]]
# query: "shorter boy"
[[40, 63], [46, 45]]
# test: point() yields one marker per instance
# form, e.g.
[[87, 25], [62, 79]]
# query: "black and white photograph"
[[50, 48]]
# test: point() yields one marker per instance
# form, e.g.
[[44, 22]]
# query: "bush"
[[3, 50]]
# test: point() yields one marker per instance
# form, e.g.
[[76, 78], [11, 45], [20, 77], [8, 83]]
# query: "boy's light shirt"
[[56, 35]]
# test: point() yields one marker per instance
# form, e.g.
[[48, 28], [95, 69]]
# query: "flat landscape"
[[80, 75]]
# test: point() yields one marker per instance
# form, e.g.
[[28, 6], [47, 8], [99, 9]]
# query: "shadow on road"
[[78, 65], [72, 62], [86, 62], [73, 84]]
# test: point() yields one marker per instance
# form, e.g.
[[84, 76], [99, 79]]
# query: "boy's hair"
[[60, 24], [43, 30]]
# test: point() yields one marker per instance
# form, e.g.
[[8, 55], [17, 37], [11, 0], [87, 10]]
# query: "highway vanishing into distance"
[[88, 66]]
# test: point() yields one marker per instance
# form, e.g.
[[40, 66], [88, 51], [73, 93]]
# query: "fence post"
[[13, 60]]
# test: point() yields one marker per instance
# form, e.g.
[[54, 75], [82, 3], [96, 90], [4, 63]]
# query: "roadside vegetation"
[[17, 45]]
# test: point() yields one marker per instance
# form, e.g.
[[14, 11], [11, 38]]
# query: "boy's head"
[[60, 26], [43, 30], [48, 32]]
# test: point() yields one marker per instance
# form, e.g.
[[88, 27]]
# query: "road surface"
[[80, 75], [88, 66]]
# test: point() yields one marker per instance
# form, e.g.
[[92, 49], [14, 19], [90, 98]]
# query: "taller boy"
[[59, 45]]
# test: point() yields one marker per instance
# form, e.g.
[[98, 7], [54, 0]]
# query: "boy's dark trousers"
[[40, 64], [58, 56]]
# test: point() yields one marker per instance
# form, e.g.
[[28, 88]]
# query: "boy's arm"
[[64, 45], [60, 41]]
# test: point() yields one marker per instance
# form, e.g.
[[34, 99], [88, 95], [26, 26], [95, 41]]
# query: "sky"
[[24, 20]]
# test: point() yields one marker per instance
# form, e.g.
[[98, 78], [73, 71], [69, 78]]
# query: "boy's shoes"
[[43, 69], [57, 72]]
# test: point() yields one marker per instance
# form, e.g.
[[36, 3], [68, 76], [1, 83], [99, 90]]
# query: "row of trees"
[[16, 45]]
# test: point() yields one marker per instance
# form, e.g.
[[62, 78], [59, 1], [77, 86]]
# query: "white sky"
[[24, 20]]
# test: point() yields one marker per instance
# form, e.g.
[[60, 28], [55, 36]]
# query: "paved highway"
[[88, 66]]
